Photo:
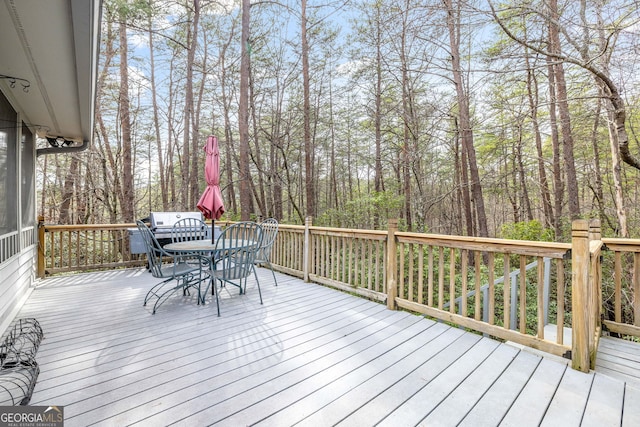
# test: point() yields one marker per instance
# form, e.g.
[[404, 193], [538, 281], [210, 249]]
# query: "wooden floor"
[[619, 359], [309, 356]]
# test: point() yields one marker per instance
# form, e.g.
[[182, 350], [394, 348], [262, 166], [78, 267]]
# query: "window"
[[27, 178], [8, 169]]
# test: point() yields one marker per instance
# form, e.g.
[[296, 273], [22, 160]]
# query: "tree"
[[246, 205], [127, 200], [551, 17], [164, 193], [306, 115], [464, 115]]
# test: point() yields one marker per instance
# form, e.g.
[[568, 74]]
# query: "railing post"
[[392, 264], [580, 295], [306, 260], [41, 264], [595, 293]]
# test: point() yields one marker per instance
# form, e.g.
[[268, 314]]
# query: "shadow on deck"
[[309, 356]]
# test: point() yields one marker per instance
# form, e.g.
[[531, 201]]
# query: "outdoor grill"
[[161, 224]]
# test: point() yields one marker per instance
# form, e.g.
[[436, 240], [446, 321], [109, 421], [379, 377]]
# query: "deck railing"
[[621, 291], [68, 248], [527, 292], [435, 271]]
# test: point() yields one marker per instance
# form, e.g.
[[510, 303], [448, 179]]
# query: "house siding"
[[17, 276]]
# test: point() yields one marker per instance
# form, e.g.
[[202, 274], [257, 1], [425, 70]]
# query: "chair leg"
[[155, 292], [255, 273], [202, 295], [272, 273], [217, 297], [161, 297]]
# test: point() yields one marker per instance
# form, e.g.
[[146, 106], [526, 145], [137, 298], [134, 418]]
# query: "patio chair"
[[269, 233], [234, 261], [169, 267], [188, 229]]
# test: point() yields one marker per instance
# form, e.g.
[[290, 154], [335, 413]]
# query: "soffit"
[[54, 45]]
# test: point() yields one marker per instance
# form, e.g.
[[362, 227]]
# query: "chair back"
[[153, 248], [189, 229], [269, 233], [237, 247]]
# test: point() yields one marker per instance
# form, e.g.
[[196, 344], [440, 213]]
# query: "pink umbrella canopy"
[[210, 203]]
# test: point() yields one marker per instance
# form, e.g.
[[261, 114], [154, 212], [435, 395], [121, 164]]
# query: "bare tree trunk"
[[464, 181], [185, 185], [260, 195], [278, 212], [598, 190], [243, 117], [228, 133], [172, 145], [466, 133], [511, 192], [406, 118], [565, 118], [532, 94], [306, 108], [44, 186], [110, 174], [458, 197], [524, 196], [65, 216], [379, 185], [332, 194], [128, 193], [611, 125], [558, 182], [197, 154], [164, 193]]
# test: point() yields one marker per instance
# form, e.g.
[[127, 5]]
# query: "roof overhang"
[[51, 48]]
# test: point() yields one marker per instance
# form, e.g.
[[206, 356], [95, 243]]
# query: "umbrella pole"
[[213, 231]]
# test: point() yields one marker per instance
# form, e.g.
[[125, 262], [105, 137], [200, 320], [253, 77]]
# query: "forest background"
[[501, 118]]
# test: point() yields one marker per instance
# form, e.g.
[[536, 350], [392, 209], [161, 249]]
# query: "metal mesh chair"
[[169, 267], [269, 233], [188, 229], [233, 262]]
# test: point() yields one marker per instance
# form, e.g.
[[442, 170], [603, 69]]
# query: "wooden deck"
[[309, 356]]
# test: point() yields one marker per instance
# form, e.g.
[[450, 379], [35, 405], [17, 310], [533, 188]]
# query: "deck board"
[[534, 399], [493, 405], [357, 384], [309, 356], [413, 410], [631, 408], [604, 407], [570, 399], [404, 368], [619, 359], [461, 401]]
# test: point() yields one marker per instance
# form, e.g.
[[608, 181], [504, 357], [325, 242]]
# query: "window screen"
[[8, 172], [27, 179]]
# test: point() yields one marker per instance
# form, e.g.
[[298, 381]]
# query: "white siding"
[[16, 277]]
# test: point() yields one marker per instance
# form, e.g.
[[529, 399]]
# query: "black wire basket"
[[18, 367]]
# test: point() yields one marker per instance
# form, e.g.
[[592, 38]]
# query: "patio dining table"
[[207, 250]]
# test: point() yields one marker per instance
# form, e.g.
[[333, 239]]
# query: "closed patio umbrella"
[[210, 203]]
